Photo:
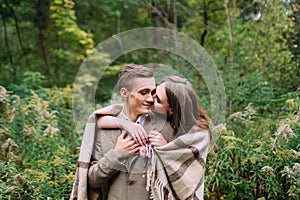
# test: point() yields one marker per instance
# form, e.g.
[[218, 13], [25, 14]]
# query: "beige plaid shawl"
[[176, 170], [80, 187]]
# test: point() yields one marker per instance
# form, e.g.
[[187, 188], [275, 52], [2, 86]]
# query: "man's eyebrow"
[[144, 90]]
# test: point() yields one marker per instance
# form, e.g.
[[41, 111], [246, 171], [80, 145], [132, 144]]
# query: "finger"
[[140, 140], [153, 140], [141, 135], [134, 146], [145, 141], [153, 136], [154, 143], [153, 132], [135, 139], [129, 138], [129, 144], [134, 150], [123, 135]]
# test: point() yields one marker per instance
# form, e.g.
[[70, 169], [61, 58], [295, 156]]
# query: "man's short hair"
[[130, 72]]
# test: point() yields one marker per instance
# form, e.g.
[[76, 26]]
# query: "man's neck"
[[132, 116]]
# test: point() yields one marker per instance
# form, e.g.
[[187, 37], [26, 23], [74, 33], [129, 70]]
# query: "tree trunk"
[[18, 31], [230, 23], [6, 41], [8, 49], [205, 18], [41, 24]]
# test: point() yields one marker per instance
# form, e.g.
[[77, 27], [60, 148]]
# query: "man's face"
[[140, 99]]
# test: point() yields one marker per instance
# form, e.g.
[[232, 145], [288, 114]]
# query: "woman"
[[176, 97], [177, 169]]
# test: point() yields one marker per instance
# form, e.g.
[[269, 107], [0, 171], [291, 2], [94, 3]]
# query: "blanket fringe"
[[157, 189], [151, 167]]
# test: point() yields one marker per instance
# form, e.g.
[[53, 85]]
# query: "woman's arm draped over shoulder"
[[135, 130]]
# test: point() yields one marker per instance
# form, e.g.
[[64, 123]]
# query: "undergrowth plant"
[[258, 156], [39, 145]]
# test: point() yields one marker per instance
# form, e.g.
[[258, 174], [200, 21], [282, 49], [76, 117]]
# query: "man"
[[116, 171]]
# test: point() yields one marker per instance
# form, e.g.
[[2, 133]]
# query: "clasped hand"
[[128, 145], [139, 135]]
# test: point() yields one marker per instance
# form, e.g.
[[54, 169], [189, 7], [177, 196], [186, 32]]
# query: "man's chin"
[[145, 111]]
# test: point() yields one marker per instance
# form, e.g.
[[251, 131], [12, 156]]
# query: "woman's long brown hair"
[[183, 100]]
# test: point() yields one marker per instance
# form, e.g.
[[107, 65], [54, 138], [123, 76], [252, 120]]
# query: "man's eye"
[[144, 92]]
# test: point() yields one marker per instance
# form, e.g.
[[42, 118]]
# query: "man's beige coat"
[[109, 178]]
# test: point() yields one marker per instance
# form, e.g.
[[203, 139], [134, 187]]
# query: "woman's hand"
[[156, 139], [136, 131]]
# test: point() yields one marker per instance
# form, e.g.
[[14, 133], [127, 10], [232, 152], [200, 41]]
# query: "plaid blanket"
[[80, 187], [176, 170]]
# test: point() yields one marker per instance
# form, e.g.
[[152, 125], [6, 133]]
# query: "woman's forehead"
[[161, 92], [161, 88]]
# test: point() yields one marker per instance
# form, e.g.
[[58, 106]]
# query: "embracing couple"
[[154, 146]]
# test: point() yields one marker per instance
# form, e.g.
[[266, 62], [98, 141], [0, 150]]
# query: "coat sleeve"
[[104, 165], [103, 169]]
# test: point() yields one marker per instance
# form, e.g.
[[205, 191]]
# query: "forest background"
[[254, 43]]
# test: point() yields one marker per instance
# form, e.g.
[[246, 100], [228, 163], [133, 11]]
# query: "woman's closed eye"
[[153, 92], [158, 99]]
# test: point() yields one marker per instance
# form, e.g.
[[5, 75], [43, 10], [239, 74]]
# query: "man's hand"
[[125, 146], [156, 139]]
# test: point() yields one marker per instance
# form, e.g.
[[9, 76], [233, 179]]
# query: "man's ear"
[[124, 92]]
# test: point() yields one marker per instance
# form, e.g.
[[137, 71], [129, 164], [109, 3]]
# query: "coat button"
[[130, 182]]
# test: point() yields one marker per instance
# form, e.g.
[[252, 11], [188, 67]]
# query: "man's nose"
[[150, 98]]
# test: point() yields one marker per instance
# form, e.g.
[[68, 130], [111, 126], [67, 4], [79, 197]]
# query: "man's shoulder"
[[113, 110]]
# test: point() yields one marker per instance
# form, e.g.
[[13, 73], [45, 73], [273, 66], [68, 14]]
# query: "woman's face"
[[160, 98]]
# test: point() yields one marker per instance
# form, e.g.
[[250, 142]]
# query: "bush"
[[39, 144], [258, 157]]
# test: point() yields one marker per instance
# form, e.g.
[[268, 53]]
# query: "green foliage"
[[39, 143], [44, 42], [34, 80], [65, 20], [13, 185], [263, 60], [255, 158], [107, 83]]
